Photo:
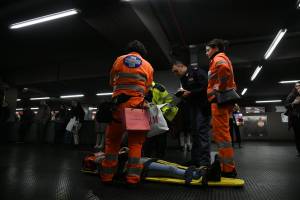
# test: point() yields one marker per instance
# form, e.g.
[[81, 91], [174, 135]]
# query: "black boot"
[[214, 171]]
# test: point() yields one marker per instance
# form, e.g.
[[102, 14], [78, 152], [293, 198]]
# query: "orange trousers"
[[113, 138], [221, 135]]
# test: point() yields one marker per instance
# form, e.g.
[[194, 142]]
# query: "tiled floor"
[[271, 171]]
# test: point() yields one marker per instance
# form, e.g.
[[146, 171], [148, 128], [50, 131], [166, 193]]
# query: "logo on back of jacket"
[[132, 61]]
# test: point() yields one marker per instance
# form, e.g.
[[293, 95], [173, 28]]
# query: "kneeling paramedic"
[[131, 76]]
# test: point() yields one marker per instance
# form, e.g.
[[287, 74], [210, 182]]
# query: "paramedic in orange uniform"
[[131, 76], [221, 78]]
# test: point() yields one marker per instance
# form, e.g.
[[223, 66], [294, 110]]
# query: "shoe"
[[189, 174], [214, 171], [232, 174]]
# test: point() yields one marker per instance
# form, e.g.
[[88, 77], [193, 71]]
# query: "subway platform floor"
[[270, 170]]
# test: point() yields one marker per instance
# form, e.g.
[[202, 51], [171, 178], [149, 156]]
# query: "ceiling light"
[[244, 91], [19, 109], [298, 4], [34, 108], [39, 98], [269, 101], [287, 82], [44, 18], [275, 42], [104, 94], [257, 70], [18, 99], [72, 96]]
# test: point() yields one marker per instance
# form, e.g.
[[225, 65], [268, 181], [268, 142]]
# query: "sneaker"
[[232, 174]]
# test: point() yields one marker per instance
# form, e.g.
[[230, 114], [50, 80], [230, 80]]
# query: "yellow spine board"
[[225, 182]]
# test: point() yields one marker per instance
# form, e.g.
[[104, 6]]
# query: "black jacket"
[[195, 80], [293, 111]]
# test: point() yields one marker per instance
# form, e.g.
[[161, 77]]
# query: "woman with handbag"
[[221, 93]]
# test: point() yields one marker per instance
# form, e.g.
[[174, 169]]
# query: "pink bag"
[[136, 120]]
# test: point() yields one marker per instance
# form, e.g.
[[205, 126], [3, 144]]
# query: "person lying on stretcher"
[[157, 168]]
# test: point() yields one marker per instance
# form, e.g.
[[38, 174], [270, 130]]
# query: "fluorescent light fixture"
[[71, 96], [257, 70], [92, 108], [34, 108], [269, 101], [288, 82], [18, 99], [298, 4], [19, 109], [275, 42], [244, 91], [94, 112], [39, 98], [104, 94], [44, 19], [194, 64]]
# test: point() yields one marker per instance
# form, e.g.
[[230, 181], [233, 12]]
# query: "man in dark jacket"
[[292, 104], [194, 85]]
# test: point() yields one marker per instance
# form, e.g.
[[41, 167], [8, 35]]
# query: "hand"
[[186, 93], [297, 100]]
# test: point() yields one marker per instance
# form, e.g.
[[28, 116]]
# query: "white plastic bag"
[[158, 124], [71, 124]]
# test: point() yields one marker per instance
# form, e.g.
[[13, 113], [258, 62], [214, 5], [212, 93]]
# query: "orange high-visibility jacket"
[[131, 75], [220, 75]]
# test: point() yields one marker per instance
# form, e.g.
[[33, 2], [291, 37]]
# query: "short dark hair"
[[219, 43], [179, 62], [136, 46]]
